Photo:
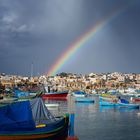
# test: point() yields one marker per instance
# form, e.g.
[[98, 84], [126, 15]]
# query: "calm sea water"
[[93, 122]]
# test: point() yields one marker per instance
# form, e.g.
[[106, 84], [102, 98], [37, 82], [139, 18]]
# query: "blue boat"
[[24, 95], [126, 105], [106, 103], [79, 94], [31, 120], [84, 100], [20, 94]]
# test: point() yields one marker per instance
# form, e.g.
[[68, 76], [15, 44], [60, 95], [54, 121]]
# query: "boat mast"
[[32, 70]]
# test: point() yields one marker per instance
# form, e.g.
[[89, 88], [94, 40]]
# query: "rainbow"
[[79, 43]]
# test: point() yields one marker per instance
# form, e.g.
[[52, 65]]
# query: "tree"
[[62, 74]]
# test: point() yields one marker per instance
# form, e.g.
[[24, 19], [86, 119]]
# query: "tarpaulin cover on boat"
[[40, 112], [16, 117], [24, 115]]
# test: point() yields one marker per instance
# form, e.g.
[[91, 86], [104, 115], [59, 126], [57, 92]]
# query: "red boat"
[[136, 100], [60, 95]]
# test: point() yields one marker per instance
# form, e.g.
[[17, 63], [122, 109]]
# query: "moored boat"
[[52, 106], [119, 104], [24, 95], [79, 94], [52, 93], [61, 95], [107, 95], [114, 99], [106, 103], [35, 122], [136, 99], [136, 106], [84, 100]]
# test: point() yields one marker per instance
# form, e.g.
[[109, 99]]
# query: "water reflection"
[[120, 109], [93, 121]]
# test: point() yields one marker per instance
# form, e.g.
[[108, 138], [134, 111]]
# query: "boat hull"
[[84, 100], [136, 100], [128, 105], [105, 103], [56, 95]]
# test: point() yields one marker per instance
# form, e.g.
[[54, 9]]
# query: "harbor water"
[[93, 122]]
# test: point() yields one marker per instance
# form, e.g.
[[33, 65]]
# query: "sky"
[[34, 33]]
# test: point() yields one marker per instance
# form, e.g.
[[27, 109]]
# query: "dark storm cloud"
[[40, 30]]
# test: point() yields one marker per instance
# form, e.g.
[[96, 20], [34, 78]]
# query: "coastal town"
[[90, 83], [64, 96]]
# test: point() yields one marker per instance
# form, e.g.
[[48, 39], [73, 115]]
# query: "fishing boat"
[[24, 95], [79, 94], [108, 95], [52, 106], [118, 104], [136, 99], [84, 100], [107, 103], [35, 122], [111, 99], [136, 106], [60, 95], [54, 94]]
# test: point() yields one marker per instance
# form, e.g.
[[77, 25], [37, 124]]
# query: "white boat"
[[79, 94], [52, 106]]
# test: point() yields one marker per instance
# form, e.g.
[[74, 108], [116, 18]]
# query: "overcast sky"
[[38, 31]]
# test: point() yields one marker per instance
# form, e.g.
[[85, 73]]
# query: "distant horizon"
[[14, 74]]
